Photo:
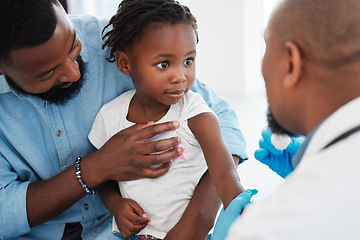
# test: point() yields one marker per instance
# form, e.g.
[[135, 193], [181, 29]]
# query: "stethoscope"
[[342, 136]]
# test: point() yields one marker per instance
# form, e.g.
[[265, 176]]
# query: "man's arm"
[[123, 157]]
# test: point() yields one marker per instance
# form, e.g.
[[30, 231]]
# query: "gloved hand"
[[277, 151], [228, 216]]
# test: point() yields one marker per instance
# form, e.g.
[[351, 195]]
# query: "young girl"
[[154, 41]]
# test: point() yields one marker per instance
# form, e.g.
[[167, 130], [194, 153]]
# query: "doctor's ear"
[[294, 64], [122, 62]]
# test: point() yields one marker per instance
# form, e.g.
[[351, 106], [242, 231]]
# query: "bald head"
[[311, 65], [326, 31]]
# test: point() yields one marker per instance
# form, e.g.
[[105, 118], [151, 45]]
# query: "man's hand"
[[277, 151], [232, 212], [128, 154], [130, 218]]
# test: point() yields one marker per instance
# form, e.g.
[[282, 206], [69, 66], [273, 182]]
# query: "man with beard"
[[311, 69], [55, 78]]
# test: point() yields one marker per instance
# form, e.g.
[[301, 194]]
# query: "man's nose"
[[71, 72]]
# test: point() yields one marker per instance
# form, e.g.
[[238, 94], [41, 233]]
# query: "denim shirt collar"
[[4, 86]]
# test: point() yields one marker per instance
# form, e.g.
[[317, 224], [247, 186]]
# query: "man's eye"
[[74, 47], [163, 65], [76, 43], [188, 61], [47, 76]]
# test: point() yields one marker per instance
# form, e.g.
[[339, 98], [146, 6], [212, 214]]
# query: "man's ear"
[[294, 64], [122, 62]]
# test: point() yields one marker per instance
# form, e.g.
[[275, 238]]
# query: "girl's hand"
[[130, 218]]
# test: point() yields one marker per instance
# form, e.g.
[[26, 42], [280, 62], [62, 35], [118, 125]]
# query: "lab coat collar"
[[342, 120]]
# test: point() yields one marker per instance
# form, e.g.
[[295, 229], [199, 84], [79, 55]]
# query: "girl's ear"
[[122, 62]]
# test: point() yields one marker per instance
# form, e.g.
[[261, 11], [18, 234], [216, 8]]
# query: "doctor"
[[311, 69]]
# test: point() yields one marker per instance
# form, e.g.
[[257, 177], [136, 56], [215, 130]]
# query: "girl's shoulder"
[[118, 102]]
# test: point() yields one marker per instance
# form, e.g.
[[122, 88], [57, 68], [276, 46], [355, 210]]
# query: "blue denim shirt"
[[31, 150]]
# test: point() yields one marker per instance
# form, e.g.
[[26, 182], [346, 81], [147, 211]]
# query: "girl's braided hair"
[[135, 17]]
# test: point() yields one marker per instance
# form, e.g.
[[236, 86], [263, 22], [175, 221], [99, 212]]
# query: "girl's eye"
[[188, 61], [163, 65]]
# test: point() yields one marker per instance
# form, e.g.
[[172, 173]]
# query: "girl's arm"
[[220, 163], [229, 123]]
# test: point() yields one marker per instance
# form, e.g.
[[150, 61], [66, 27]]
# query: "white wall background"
[[231, 40]]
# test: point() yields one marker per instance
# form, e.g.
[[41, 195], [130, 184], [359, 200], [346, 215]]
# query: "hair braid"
[[135, 17]]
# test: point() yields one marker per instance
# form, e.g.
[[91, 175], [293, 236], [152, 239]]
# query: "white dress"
[[163, 199]]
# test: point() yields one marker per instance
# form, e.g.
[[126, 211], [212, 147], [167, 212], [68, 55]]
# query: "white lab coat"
[[321, 198]]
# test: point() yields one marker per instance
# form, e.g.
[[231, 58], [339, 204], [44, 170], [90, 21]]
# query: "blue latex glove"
[[278, 160], [232, 212]]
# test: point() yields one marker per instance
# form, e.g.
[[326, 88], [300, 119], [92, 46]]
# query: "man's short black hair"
[[24, 24]]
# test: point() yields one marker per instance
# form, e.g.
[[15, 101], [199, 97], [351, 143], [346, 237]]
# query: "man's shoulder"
[[85, 19], [88, 25], [89, 30]]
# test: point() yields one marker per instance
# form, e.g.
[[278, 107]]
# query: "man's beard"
[[275, 126], [56, 94]]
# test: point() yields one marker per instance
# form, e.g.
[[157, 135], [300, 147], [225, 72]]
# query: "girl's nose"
[[179, 77]]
